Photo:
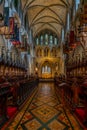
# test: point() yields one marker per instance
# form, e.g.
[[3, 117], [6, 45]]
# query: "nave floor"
[[44, 111]]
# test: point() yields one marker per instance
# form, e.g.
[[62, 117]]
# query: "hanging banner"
[[15, 36], [11, 25], [2, 13], [6, 16]]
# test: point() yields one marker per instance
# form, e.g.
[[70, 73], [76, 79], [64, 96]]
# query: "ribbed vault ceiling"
[[46, 14]]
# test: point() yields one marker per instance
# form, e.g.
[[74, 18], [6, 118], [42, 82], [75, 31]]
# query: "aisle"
[[44, 111]]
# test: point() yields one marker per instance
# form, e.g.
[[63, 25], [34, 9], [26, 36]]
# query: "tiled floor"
[[44, 111]]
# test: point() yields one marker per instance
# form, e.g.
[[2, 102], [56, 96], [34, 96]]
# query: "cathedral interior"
[[43, 65]]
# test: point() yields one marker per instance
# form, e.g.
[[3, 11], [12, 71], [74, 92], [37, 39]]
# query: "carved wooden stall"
[[73, 92], [83, 93], [4, 90], [13, 92]]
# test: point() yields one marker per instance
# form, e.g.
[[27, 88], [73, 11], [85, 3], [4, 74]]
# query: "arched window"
[[37, 41], [46, 69], [55, 41], [46, 39], [41, 40], [51, 39], [49, 70]]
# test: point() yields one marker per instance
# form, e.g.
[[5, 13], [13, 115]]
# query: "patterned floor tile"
[[53, 103], [46, 99], [32, 106], [44, 129], [45, 113], [19, 127], [59, 107], [38, 103], [63, 118], [32, 125], [55, 125], [74, 122], [26, 117]]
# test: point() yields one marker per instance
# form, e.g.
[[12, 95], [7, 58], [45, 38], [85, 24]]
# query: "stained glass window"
[[46, 69], [37, 41], [41, 40], [55, 41], [51, 39], [46, 39], [49, 70]]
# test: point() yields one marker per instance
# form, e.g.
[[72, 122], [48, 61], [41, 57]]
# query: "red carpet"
[[11, 111], [80, 112]]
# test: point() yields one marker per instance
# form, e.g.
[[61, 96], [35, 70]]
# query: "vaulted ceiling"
[[47, 14]]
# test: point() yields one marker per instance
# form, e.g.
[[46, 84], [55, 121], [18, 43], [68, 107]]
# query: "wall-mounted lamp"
[[36, 69]]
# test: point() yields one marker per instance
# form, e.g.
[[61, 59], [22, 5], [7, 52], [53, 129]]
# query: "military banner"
[[15, 37]]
